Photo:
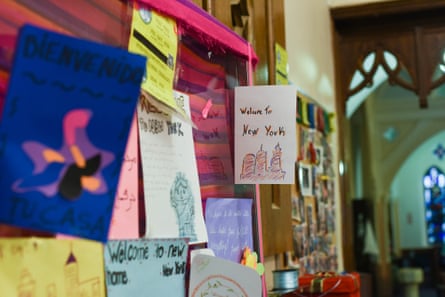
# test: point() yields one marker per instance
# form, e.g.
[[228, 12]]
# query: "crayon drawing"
[[182, 201], [257, 167], [51, 267], [173, 205], [219, 285]]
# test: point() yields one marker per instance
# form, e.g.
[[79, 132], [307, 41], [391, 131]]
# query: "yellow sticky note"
[[281, 68], [155, 37], [40, 267]]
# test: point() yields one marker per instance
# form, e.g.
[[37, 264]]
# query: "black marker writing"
[[51, 50]]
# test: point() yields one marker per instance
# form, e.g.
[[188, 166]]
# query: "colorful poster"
[[213, 276], [155, 36], [38, 267], [171, 187], [157, 266], [229, 226], [63, 132], [265, 142], [125, 219]]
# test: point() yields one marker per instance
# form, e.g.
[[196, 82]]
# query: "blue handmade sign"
[[157, 266], [63, 132]]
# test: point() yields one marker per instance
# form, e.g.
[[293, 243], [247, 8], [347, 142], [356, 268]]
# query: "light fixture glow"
[[341, 168]]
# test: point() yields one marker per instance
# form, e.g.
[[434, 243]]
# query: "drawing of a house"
[[76, 288], [27, 286]]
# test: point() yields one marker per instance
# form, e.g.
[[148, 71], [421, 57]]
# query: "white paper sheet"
[[171, 185]]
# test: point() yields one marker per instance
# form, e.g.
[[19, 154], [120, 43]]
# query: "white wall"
[[407, 189], [335, 3], [309, 47]]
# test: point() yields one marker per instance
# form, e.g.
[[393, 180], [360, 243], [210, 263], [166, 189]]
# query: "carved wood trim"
[[413, 31]]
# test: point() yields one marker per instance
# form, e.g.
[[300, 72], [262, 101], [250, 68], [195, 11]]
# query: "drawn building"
[[73, 287], [248, 168], [257, 167], [275, 163], [261, 162], [27, 285], [76, 288]]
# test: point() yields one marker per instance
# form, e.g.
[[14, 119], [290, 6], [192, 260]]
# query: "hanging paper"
[[171, 187], [305, 113], [63, 132], [265, 142], [213, 276], [229, 226], [51, 267], [157, 266], [281, 65], [211, 140], [125, 219], [155, 36]]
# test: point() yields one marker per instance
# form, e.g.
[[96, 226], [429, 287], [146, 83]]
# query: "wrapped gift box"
[[327, 284]]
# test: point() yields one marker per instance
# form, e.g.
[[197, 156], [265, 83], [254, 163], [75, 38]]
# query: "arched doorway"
[[367, 38]]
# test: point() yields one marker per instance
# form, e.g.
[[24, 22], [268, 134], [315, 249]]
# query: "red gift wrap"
[[328, 284]]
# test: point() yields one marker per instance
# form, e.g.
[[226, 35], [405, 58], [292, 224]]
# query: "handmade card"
[[157, 266], [63, 132], [213, 276], [229, 226], [40, 267], [265, 142], [171, 187], [125, 219]]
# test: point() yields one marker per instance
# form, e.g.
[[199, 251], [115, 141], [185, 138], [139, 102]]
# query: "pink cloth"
[[204, 27]]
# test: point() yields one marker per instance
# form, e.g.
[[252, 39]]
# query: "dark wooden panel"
[[276, 219], [259, 42], [267, 17], [268, 27], [199, 3], [221, 10]]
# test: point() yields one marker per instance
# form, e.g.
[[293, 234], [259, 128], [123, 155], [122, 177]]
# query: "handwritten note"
[[172, 195], [125, 219], [229, 226], [265, 134], [155, 36], [51, 267], [156, 266], [213, 276], [63, 132]]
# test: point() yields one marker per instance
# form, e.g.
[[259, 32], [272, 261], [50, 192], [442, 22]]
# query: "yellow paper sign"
[[281, 65], [155, 36], [51, 267]]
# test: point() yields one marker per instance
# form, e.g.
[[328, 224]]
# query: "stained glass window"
[[434, 195]]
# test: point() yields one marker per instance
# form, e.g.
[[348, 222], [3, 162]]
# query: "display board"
[[313, 193], [205, 64]]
